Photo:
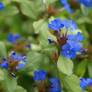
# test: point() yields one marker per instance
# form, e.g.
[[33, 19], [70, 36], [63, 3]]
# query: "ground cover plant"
[[45, 46]]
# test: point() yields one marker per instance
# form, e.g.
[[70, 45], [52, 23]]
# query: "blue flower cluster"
[[72, 42], [87, 3], [14, 57], [67, 6], [13, 37], [1, 6], [85, 82], [19, 58], [55, 85]]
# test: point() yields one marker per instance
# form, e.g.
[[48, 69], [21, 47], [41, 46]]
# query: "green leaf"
[[49, 50], [26, 82], [41, 27], [84, 10], [35, 47], [1, 75], [10, 81], [2, 49], [19, 89], [81, 68], [90, 69], [10, 11], [51, 1], [8, 84], [65, 65], [72, 84], [36, 61], [83, 20], [32, 9], [27, 9], [5, 1]]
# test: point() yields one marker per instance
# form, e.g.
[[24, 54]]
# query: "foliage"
[[40, 47]]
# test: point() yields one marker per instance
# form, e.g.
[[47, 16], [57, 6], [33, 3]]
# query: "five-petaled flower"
[[40, 75], [55, 85], [13, 37]]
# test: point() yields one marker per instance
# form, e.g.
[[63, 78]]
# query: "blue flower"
[[79, 37], [4, 63], [73, 45], [68, 52], [70, 24], [56, 24], [73, 25], [75, 41], [76, 45], [67, 6], [64, 1], [40, 75], [18, 61], [85, 82], [13, 37], [1, 6], [14, 57], [17, 57], [55, 85], [87, 3]]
